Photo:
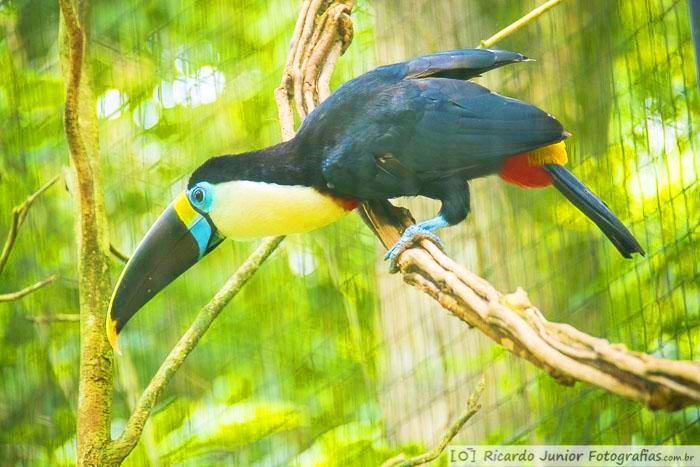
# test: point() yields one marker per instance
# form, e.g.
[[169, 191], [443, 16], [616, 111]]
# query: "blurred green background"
[[325, 359]]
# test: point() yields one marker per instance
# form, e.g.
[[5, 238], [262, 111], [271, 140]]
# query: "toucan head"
[[243, 196], [181, 236]]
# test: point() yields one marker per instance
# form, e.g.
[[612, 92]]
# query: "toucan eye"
[[198, 195]]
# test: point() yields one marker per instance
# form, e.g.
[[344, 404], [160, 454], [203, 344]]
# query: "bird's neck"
[[281, 164], [277, 190]]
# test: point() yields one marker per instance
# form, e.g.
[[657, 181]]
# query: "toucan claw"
[[411, 236]]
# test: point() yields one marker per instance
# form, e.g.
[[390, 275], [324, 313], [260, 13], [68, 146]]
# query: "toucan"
[[417, 128]]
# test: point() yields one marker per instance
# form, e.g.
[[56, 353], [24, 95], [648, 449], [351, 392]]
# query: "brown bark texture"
[[80, 121], [322, 33]]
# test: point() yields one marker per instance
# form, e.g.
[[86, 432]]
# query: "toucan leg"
[[454, 194], [413, 234]]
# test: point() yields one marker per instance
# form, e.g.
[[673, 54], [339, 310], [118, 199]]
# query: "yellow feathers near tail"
[[552, 154]]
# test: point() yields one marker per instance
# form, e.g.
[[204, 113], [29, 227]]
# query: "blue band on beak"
[[201, 231], [179, 238]]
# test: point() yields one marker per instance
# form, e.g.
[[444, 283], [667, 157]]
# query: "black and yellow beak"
[[180, 237]]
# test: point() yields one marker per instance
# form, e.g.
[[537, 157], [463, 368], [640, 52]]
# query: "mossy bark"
[[95, 388]]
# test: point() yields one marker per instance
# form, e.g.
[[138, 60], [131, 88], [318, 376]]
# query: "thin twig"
[[118, 254], [122, 446], [60, 318], [519, 24], [284, 94], [473, 407], [11, 296], [19, 214], [565, 353]]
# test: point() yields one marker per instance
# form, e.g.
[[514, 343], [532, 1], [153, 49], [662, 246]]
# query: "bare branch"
[[60, 318], [312, 56], [324, 78], [11, 296], [19, 214], [78, 151], [519, 24], [302, 31], [318, 52], [564, 352], [314, 11], [473, 407], [121, 447], [94, 411], [117, 253], [284, 94]]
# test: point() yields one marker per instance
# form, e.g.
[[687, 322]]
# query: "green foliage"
[[296, 370]]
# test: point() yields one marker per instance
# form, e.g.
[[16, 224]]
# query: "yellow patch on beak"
[[552, 154], [184, 209], [112, 335]]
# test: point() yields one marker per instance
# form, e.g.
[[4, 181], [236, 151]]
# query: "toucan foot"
[[412, 235]]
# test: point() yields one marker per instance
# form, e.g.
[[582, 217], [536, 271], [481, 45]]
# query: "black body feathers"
[[401, 130]]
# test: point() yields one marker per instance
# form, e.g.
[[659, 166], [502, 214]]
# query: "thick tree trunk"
[[95, 390]]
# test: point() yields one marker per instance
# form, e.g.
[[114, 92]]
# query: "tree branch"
[[60, 318], [564, 352], [567, 354], [118, 254], [473, 407], [307, 26], [19, 214], [519, 24], [121, 447], [94, 412], [12, 296]]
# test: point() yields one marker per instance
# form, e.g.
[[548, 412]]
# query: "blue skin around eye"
[[206, 203], [200, 228]]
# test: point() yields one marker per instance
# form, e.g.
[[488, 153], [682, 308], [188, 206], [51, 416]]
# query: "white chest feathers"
[[244, 209]]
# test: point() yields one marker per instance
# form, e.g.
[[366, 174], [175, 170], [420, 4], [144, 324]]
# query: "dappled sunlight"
[[203, 87], [323, 358], [147, 114], [111, 104], [302, 261], [659, 171]]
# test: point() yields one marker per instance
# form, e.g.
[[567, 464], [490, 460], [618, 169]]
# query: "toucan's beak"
[[180, 237]]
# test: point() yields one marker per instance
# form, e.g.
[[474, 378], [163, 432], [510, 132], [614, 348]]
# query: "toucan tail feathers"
[[596, 210]]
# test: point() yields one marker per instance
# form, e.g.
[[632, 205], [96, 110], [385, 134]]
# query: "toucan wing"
[[460, 64], [418, 131]]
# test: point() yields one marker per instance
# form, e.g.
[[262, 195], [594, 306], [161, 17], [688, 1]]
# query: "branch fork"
[[511, 320], [321, 22], [322, 32], [19, 215]]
